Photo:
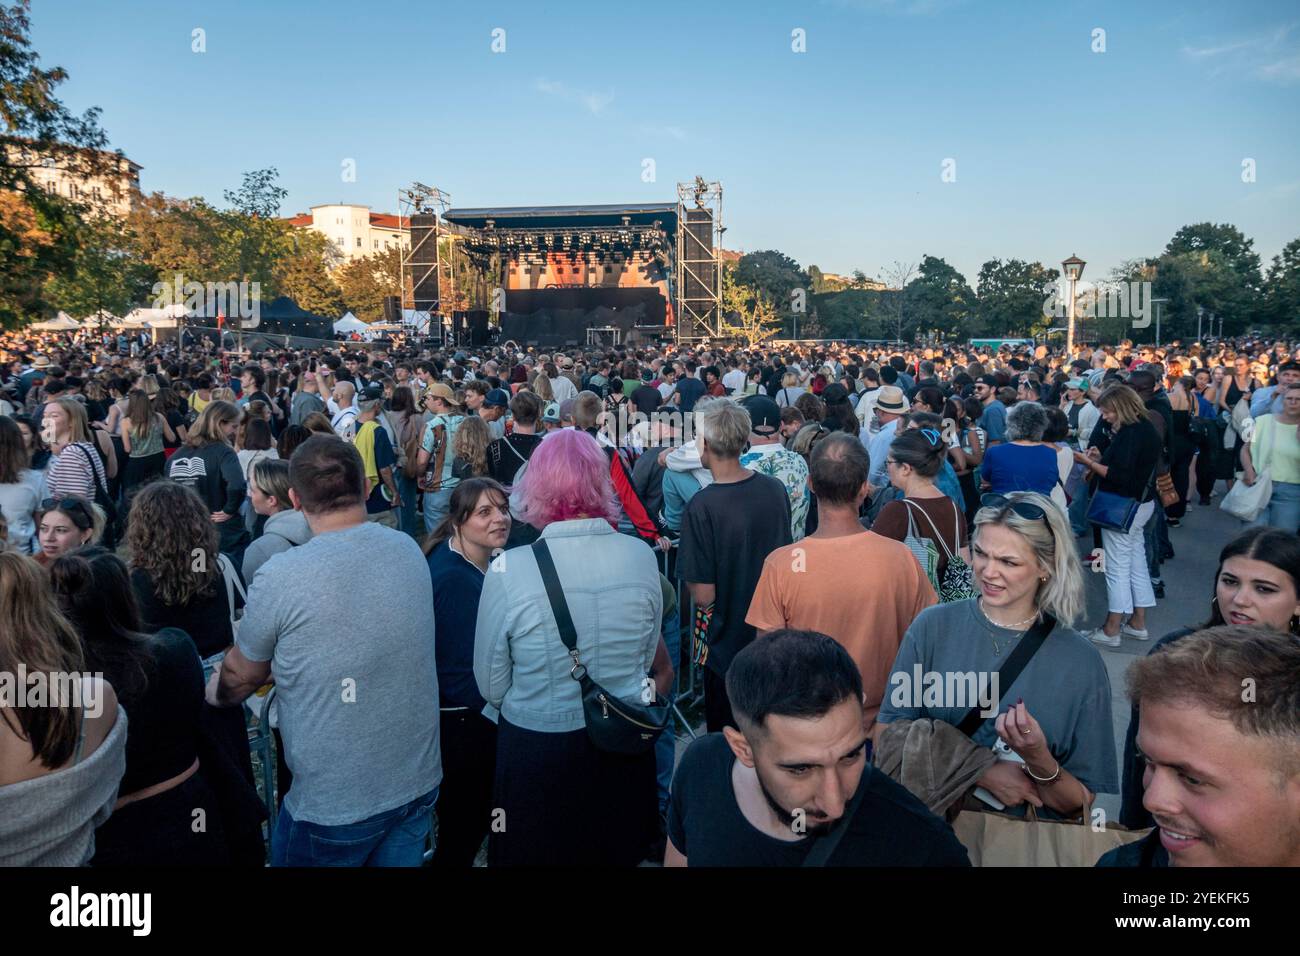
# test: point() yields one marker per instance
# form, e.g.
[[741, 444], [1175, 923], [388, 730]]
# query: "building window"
[[376, 243], [358, 242], [339, 242]]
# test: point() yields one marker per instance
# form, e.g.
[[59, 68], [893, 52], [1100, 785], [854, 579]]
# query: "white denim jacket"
[[611, 584]]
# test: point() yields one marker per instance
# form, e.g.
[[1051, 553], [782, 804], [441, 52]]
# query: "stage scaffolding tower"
[[698, 310], [420, 263]]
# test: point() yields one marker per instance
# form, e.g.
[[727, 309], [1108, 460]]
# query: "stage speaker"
[[392, 309], [457, 326], [423, 262], [478, 327]]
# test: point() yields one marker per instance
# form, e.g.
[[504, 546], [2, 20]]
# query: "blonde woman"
[[1053, 732], [208, 464], [541, 386], [470, 448], [81, 461]]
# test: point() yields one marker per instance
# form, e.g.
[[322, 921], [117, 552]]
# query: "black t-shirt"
[[890, 828], [502, 460], [727, 532], [647, 398], [206, 618]]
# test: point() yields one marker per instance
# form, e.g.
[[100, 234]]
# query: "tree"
[[753, 325], [38, 231], [1011, 296], [304, 275], [772, 274], [106, 272], [366, 281], [940, 299], [1281, 305], [179, 237], [252, 238], [1214, 267], [897, 277]]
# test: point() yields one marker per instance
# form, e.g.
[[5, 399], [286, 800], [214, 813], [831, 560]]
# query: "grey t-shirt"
[[347, 623], [1064, 686]]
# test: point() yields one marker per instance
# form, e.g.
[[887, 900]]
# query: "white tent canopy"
[[60, 323], [349, 324], [164, 318]]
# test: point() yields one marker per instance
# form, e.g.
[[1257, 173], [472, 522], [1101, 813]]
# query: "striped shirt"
[[76, 471]]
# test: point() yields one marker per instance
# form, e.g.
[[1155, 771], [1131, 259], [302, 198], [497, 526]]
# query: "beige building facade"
[[355, 231]]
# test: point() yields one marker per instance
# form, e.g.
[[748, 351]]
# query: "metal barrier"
[[260, 739]]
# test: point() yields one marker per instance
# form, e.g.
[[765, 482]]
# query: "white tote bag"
[[1247, 501]]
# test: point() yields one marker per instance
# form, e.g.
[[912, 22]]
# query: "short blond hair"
[[1124, 402]]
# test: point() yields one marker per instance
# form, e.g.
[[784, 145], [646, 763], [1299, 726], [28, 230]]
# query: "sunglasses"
[[1026, 509], [71, 507]]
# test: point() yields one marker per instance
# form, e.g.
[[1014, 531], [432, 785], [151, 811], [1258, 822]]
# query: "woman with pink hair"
[[565, 802]]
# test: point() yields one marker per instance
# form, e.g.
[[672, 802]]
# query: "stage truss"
[[417, 262], [699, 266]]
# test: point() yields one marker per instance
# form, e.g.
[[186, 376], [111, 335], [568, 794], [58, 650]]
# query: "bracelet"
[[1037, 779]]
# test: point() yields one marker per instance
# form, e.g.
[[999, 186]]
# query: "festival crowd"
[[450, 599]]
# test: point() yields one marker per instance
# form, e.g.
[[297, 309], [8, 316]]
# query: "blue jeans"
[[436, 506], [666, 745], [393, 838], [1079, 510], [407, 519], [1151, 538], [1283, 509]]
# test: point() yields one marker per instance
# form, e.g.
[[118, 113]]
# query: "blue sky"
[[833, 155]]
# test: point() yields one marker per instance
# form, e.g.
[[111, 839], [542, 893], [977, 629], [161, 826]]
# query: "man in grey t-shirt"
[[356, 681]]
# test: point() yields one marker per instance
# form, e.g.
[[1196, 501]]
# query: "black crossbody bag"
[[1010, 670], [614, 724]]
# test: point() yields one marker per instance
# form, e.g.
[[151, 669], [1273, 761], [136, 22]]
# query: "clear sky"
[[833, 155]]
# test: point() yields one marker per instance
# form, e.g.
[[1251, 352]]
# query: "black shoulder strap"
[[1010, 670], [825, 846], [559, 607]]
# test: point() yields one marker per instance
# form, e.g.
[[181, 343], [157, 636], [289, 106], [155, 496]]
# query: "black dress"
[[206, 619], [181, 826]]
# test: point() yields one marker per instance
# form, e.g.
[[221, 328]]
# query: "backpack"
[[958, 582], [410, 449], [516, 486]]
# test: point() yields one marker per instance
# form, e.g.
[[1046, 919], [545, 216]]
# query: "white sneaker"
[[1098, 635], [1135, 633]]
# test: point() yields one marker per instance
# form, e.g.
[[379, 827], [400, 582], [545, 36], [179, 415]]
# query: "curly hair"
[[471, 443], [168, 530]]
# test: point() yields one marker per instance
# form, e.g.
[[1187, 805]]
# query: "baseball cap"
[[370, 396], [442, 390], [497, 398], [551, 413], [764, 414], [1082, 384], [990, 380]]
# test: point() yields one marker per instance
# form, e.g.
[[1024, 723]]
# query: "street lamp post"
[[1158, 303], [1073, 268]]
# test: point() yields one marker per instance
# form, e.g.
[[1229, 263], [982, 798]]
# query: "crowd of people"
[[461, 590]]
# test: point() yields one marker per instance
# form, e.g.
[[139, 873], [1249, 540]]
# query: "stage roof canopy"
[[567, 217]]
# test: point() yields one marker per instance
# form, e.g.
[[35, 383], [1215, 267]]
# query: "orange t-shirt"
[[864, 590]]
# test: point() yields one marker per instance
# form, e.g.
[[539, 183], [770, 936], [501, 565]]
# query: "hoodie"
[[283, 530]]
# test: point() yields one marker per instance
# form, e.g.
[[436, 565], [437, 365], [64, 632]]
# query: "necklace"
[[997, 648]]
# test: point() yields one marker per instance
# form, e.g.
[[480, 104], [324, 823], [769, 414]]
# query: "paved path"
[[1189, 586]]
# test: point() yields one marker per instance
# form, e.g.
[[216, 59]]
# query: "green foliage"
[[38, 232], [106, 274], [1011, 296], [940, 299], [771, 274], [364, 282]]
